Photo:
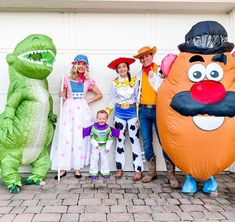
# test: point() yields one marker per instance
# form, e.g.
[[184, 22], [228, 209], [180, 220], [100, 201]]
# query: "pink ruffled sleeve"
[[90, 83]]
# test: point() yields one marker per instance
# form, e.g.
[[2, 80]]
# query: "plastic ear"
[[166, 64], [233, 54]]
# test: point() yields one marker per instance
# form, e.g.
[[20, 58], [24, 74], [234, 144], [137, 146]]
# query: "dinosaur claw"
[[29, 181], [14, 189]]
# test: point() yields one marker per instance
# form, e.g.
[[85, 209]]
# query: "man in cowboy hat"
[[149, 83]]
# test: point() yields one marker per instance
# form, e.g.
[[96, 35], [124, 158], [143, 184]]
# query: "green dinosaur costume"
[[26, 125]]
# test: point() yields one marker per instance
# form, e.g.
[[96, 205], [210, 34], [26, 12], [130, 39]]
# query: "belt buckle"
[[149, 106], [125, 106]]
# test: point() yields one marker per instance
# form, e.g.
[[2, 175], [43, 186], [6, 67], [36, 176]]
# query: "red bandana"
[[148, 68]]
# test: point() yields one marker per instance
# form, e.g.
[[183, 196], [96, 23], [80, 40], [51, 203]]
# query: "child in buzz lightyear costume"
[[101, 137]]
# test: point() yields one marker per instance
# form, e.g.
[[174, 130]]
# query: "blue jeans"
[[147, 118]]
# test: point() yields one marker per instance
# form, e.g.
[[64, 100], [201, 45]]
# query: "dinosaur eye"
[[214, 72], [196, 73]]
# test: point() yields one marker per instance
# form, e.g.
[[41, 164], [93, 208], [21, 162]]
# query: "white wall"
[[102, 37]]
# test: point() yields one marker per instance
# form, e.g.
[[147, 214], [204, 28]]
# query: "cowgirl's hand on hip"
[[137, 123]]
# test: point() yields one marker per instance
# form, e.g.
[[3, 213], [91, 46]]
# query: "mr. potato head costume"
[[196, 106]]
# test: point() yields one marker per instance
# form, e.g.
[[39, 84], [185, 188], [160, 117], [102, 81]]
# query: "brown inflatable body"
[[196, 113]]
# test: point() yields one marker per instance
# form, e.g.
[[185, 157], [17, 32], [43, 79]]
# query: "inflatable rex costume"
[[26, 125]]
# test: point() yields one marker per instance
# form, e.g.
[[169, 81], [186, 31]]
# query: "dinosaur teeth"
[[34, 62], [40, 51], [27, 57]]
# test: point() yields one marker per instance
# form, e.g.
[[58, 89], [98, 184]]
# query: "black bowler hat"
[[206, 37]]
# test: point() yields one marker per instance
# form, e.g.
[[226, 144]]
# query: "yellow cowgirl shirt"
[[124, 93]]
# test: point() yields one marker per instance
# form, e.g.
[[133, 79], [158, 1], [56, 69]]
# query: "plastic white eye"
[[197, 73], [214, 72]]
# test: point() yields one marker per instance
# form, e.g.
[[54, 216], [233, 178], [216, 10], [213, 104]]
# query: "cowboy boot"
[[171, 174], [151, 175]]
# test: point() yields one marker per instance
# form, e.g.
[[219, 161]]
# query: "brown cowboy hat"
[[145, 50]]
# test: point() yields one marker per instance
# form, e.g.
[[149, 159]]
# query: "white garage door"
[[102, 37]]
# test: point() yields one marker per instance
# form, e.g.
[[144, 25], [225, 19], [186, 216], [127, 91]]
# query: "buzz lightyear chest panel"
[[101, 136]]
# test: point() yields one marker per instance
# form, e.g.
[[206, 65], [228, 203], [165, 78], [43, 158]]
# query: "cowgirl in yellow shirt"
[[123, 100]]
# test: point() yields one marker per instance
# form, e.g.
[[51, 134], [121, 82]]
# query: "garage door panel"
[[16, 26], [170, 29], [109, 31]]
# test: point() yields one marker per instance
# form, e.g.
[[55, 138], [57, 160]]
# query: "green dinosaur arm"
[[51, 103], [12, 103], [9, 110], [9, 113], [52, 117]]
